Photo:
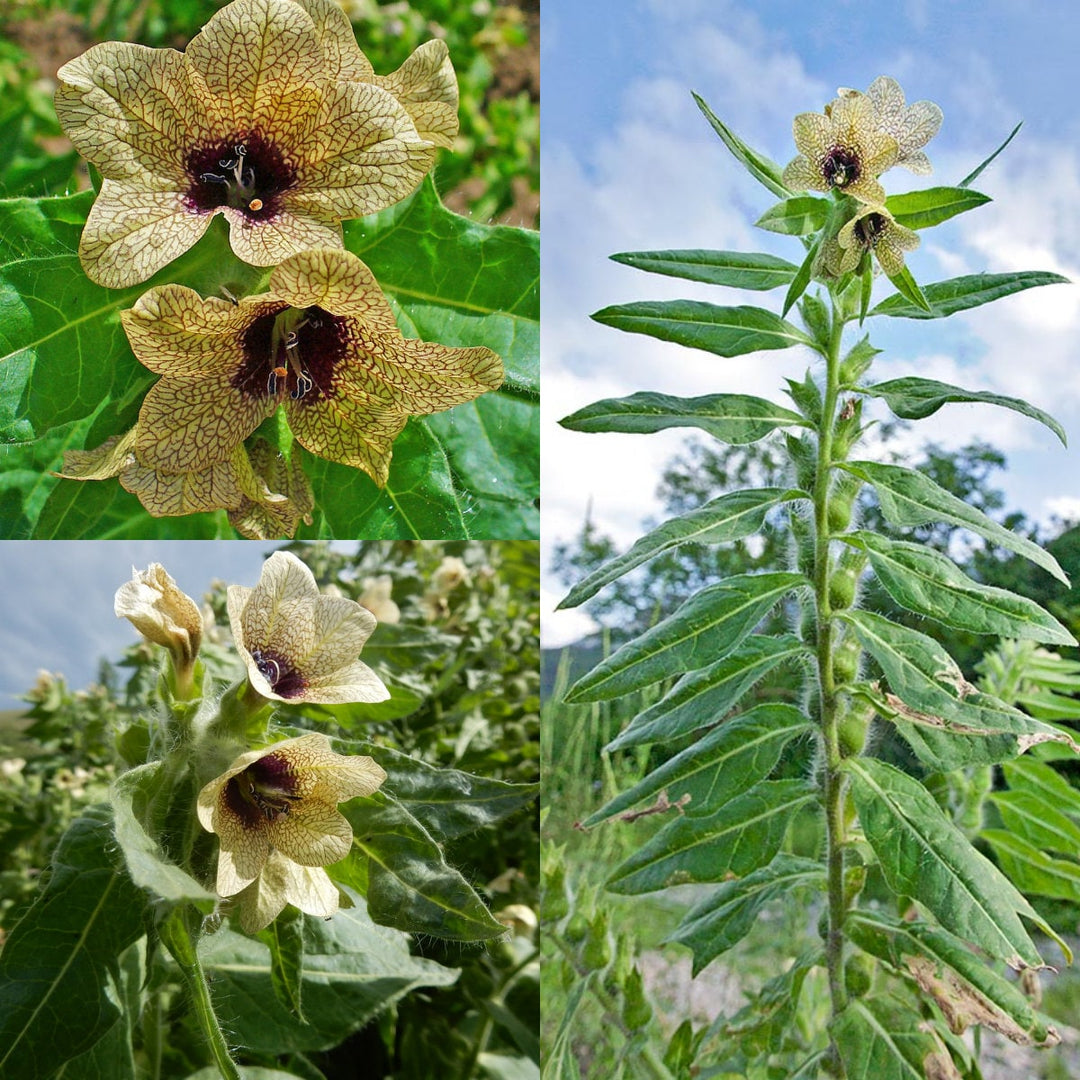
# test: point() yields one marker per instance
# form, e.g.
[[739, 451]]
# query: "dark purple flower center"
[[293, 355], [870, 229], [840, 167], [244, 171], [264, 791], [283, 678]]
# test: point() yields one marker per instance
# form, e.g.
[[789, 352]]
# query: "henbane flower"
[[237, 484], [275, 813], [842, 150], [268, 118], [912, 126], [162, 613], [875, 230], [322, 343], [297, 644]]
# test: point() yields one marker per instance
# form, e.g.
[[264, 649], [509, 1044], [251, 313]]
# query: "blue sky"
[[628, 163], [59, 599]]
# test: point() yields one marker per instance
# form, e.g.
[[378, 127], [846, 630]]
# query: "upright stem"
[[180, 939], [833, 778]]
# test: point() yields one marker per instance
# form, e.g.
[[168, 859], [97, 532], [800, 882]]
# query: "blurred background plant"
[[492, 174], [458, 645]]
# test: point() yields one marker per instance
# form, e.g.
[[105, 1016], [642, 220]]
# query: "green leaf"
[[147, 864], [447, 802], [802, 280], [908, 498], [410, 886], [38, 228], [729, 517], [726, 916], [757, 165], [706, 627], [968, 990], [912, 398], [1041, 780], [739, 838], [701, 697], [458, 282], [961, 293], [353, 970], [884, 1038], [56, 998], [909, 291], [112, 1057], [248, 1072], [931, 206], [797, 216], [725, 331], [560, 1062], [501, 1066], [929, 583], [731, 758], [737, 269], [925, 856], [1033, 870], [973, 176], [1040, 823], [284, 937], [764, 1024], [935, 708], [731, 418]]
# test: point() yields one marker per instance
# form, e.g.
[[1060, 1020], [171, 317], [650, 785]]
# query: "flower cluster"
[[274, 809], [844, 150], [274, 119]]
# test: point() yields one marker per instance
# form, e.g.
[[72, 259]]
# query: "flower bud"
[[164, 615]]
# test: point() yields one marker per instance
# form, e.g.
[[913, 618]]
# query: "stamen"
[[304, 383], [255, 204], [213, 178], [272, 389]]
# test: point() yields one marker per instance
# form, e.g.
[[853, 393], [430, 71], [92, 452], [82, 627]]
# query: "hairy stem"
[[833, 779], [179, 937]]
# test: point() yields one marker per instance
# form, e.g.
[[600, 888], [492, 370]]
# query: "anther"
[[304, 383], [256, 205], [271, 390], [292, 339]]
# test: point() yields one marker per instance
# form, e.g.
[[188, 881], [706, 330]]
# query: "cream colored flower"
[[299, 645], [376, 598], [875, 230], [231, 484], [162, 613], [520, 918], [912, 126], [322, 343], [275, 813], [258, 120], [425, 84], [842, 150], [450, 573]]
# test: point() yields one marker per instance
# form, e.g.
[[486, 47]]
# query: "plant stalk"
[[179, 939], [833, 778]]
